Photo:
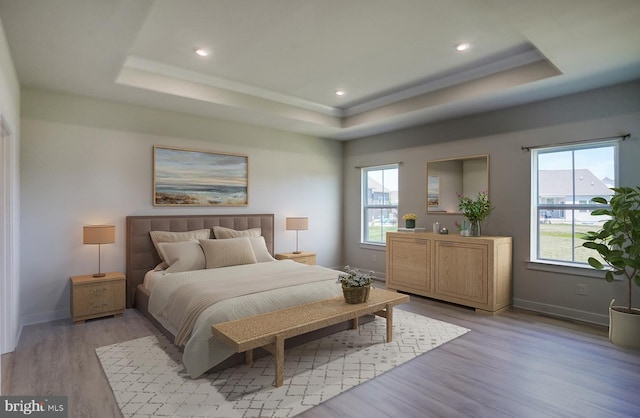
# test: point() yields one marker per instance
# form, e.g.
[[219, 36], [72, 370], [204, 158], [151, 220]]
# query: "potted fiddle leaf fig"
[[618, 244]]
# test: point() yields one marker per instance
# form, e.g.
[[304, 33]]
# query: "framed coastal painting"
[[433, 191], [185, 177]]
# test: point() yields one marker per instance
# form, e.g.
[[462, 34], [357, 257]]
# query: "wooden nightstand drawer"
[[94, 297], [303, 257]]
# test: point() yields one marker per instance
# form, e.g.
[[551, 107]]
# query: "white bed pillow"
[[182, 255], [166, 236], [227, 252], [260, 250], [221, 232]]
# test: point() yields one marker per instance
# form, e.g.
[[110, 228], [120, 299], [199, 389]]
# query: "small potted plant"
[[618, 244], [410, 220], [475, 211], [355, 284]]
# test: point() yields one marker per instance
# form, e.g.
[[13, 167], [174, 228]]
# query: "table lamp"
[[297, 224], [99, 234]]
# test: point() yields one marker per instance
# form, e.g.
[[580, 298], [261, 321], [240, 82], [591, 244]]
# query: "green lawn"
[[378, 233], [556, 242]]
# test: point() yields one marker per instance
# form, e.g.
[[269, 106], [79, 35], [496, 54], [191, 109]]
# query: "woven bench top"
[[259, 330]]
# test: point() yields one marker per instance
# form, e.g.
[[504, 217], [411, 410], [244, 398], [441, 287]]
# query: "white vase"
[[624, 328]]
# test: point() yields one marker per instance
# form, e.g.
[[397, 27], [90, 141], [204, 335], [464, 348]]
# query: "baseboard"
[[561, 311], [40, 317]]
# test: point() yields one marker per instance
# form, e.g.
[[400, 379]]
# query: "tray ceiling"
[[279, 63]]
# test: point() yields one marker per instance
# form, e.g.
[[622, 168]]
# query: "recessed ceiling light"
[[202, 52], [340, 92], [463, 46]]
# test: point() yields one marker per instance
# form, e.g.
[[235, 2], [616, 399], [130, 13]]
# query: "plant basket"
[[355, 295]]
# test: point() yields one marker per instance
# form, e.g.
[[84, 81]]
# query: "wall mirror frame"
[[449, 178]]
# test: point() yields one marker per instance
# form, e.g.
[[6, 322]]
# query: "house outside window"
[[379, 202], [564, 180]]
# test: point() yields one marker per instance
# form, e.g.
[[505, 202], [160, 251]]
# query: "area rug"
[[148, 379]]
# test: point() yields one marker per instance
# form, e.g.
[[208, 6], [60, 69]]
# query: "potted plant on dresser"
[[475, 211], [618, 244]]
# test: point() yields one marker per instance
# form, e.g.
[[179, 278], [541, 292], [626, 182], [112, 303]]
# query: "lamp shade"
[[99, 234], [297, 224]]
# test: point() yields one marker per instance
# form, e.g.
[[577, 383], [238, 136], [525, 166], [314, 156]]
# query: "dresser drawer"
[[311, 260]]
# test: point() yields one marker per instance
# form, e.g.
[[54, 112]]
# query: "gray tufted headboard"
[[142, 256]]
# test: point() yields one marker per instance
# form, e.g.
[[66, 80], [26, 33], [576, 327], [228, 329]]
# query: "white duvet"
[[202, 351]]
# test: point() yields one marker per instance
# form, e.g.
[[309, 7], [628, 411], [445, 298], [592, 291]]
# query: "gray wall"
[[86, 161], [501, 134]]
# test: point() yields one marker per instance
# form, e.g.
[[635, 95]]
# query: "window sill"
[[572, 269], [373, 246]]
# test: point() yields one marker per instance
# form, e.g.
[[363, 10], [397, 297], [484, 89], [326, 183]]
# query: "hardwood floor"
[[516, 364]]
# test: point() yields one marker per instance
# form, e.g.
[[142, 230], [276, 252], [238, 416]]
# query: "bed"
[[163, 295]]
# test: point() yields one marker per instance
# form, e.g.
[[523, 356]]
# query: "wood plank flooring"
[[516, 364]]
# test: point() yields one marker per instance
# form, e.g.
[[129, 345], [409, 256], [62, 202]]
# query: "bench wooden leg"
[[389, 323], [354, 323], [248, 357], [279, 360], [276, 348]]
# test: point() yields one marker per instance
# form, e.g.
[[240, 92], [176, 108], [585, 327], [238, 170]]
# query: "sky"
[[599, 160], [390, 178], [195, 167]]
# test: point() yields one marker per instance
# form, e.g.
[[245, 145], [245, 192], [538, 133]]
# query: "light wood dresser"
[[94, 297], [470, 271], [303, 257]]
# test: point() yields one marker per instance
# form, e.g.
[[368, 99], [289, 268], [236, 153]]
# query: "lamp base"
[[297, 252], [99, 275]]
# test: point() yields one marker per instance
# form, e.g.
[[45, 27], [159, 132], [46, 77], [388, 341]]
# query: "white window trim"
[[363, 190], [552, 266], [556, 266]]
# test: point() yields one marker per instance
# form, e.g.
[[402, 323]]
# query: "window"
[[379, 202], [564, 180]]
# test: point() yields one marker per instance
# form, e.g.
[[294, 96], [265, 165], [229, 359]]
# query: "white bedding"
[[151, 278], [202, 351]]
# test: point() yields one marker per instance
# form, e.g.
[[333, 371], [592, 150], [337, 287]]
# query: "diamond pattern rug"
[[148, 379]]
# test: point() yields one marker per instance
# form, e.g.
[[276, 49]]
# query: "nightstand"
[[94, 297], [303, 257]]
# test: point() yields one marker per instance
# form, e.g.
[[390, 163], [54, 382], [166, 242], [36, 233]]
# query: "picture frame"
[[188, 177], [433, 191]]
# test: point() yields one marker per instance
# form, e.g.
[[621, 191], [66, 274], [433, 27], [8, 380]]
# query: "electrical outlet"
[[374, 258], [583, 289]]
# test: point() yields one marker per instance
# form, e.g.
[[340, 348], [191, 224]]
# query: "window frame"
[[575, 207], [365, 206]]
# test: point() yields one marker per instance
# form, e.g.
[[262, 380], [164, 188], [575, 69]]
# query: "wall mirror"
[[447, 179]]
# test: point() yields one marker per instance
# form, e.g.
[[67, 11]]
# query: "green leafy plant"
[[475, 210], [355, 278], [618, 241]]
